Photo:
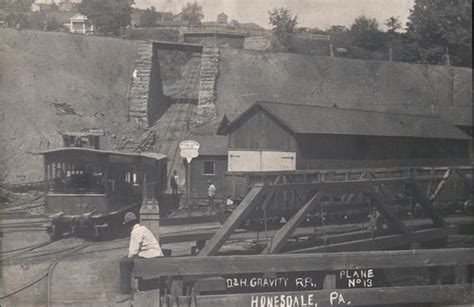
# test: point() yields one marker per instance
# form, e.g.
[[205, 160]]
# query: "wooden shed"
[[210, 165], [272, 136]]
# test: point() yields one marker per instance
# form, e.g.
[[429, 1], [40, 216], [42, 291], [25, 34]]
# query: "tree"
[[192, 13], [16, 11], [167, 16], [437, 26], [393, 24], [108, 16], [149, 18], [283, 26], [365, 33]]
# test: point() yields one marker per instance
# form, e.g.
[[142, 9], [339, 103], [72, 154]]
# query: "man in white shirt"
[[211, 192], [143, 244]]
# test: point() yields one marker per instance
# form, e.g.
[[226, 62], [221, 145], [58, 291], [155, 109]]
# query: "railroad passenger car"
[[89, 190]]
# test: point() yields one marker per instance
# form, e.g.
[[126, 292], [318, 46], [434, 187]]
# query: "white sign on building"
[[261, 161]]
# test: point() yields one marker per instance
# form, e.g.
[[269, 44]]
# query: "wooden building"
[[211, 164], [271, 136]]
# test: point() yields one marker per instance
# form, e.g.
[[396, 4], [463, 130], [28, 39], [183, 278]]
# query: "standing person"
[[174, 180], [211, 192], [143, 244]]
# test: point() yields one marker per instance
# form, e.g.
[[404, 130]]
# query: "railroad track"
[[70, 251], [33, 225]]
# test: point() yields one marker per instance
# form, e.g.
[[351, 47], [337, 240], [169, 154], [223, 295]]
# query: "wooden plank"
[[210, 284], [206, 234], [189, 220], [352, 170], [430, 183], [384, 242], [333, 187], [285, 232], [146, 298], [449, 294], [441, 184], [393, 220], [427, 204], [187, 236], [234, 220], [221, 265], [267, 200], [461, 274]]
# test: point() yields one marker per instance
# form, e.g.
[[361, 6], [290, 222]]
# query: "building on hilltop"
[[80, 24], [222, 18]]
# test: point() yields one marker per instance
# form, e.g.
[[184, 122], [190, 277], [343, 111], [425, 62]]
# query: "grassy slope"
[[39, 70], [248, 76]]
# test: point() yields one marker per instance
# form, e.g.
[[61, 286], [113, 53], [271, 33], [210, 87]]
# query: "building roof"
[[248, 76], [250, 26], [78, 18], [211, 145], [307, 119], [151, 155]]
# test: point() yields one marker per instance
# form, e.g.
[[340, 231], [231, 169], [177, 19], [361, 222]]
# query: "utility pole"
[[448, 58]]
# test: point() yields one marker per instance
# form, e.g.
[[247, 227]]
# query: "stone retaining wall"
[[206, 110], [139, 91]]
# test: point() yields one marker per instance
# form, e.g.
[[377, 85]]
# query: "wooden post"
[[188, 184], [150, 217], [45, 174]]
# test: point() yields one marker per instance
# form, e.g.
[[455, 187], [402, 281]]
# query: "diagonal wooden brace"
[[393, 220], [442, 183], [427, 204], [246, 206], [286, 231]]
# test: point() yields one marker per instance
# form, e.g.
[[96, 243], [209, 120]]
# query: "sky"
[[311, 13]]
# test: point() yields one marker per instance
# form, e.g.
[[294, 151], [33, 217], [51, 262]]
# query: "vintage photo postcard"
[[228, 153]]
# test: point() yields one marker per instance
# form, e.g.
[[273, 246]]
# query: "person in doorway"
[[143, 244], [174, 180], [211, 192]]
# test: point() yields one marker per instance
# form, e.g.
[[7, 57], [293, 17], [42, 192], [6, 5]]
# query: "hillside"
[[54, 82], [248, 76]]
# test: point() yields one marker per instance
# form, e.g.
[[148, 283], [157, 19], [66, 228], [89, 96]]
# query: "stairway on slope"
[[146, 142], [172, 125]]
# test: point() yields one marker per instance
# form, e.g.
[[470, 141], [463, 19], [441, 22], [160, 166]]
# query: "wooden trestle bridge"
[[203, 280]]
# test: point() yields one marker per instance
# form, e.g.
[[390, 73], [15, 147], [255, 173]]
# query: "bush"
[[158, 34]]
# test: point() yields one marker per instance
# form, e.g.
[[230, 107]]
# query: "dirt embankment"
[[54, 82]]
